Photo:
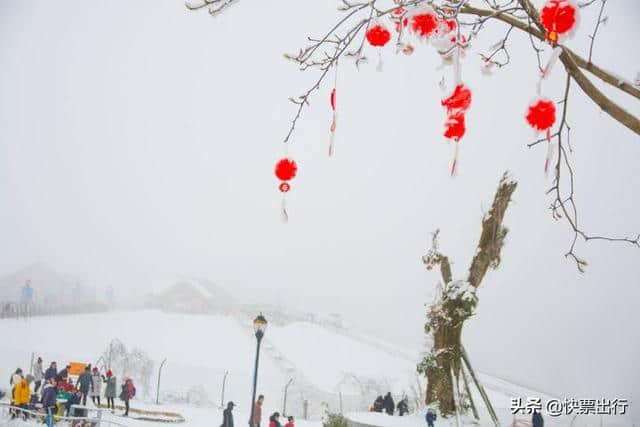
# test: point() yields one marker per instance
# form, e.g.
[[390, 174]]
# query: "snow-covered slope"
[[327, 367]]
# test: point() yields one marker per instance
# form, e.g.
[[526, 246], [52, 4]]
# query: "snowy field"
[[323, 364]]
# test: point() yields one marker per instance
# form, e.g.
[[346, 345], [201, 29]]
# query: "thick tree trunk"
[[440, 383], [446, 335]]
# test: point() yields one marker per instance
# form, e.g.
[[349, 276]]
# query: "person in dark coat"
[[403, 407], [127, 393], [378, 404], [430, 417], [52, 371], [227, 415], [110, 392], [75, 399], [64, 374], [536, 419], [389, 405], [84, 384], [49, 400]]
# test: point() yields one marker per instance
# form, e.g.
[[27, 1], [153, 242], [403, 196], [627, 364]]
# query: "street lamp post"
[[259, 326]]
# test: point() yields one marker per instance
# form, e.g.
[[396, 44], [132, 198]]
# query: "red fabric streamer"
[[455, 126], [459, 100]]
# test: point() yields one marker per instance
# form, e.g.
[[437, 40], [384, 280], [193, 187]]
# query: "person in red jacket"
[[289, 422], [257, 412], [274, 420]]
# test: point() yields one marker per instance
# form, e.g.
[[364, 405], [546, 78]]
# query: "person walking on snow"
[[85, 384], [536, 419], [227, 415], [389, 405], [96, 382], [289, 422], [49, 400], [127, 393], [430, 417], [110, 392], [38, 374], [257, 412]]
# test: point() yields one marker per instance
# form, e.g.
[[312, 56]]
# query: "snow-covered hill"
[[327, 367]]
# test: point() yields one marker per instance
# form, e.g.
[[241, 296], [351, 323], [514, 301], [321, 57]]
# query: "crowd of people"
[[388, 405], [59, 394]]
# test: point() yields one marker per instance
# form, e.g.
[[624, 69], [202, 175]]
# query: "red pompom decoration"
[[558, 17], [459, 100], [541, 114], [424, 24], [378, 35], [286, 169], [455, 127]]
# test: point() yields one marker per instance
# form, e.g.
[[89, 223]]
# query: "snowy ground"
[[324, 364]]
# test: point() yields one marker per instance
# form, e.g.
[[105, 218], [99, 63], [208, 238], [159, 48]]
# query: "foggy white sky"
[[139, 140]]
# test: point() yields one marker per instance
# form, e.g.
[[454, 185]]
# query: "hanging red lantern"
[[541, 115], [425, 23], [286, 169], [558, 17], [459, 100], [378, 35]]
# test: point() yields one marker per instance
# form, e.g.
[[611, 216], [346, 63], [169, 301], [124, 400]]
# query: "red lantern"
[[459, 100], [286, 169], [558, 17], [378, 35], [454, 126], [541, 114], [425, 23]]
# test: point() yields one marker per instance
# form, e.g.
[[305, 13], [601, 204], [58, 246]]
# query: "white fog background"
[[138, 140]]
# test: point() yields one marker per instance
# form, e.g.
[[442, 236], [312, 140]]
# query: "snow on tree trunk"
[[457, 303]]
